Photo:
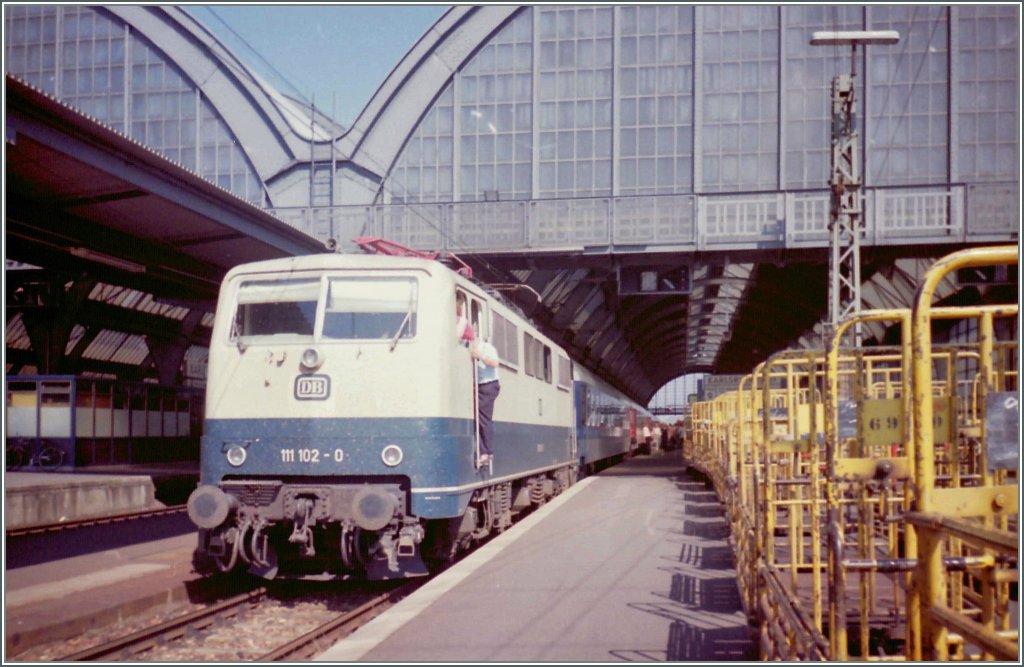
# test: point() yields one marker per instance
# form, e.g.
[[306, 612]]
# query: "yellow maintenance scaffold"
[[873, 491]]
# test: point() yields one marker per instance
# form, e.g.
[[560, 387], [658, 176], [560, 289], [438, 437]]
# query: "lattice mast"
[[846, 215], [845, 211]]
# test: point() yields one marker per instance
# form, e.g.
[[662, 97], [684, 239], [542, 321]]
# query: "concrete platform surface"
[[614, 569], [37, 498]]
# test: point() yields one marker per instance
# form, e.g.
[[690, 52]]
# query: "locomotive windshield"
[[354, 308], [365, 308], [276, 307]]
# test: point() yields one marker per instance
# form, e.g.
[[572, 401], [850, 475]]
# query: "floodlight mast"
[[845, 212]]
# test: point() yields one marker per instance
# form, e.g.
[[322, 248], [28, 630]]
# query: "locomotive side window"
[[506, 339], [538, 358], [498, 337], [564, 372], [512, 342], [530, 355], [370, 308], [276, 307]]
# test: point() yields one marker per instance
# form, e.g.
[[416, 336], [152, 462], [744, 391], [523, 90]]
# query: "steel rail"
[[172, 629], [313, 642]]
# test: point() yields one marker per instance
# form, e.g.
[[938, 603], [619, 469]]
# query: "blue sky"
[[337, 55]]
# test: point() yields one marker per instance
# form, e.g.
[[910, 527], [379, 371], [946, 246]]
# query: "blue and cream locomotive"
[[340, 434]]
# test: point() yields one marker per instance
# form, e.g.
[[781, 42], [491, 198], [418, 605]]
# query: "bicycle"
[[19, 454]]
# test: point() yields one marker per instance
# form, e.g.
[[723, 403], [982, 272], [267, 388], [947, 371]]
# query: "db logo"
[[312, 387]]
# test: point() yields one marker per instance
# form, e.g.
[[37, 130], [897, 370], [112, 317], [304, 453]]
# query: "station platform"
[[39, 498], [631, 564]]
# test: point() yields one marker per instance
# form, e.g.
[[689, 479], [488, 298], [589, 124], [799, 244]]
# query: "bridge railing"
[[955, 214]]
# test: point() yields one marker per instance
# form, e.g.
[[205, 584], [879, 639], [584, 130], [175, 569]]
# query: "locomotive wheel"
[[346, 547], [440, 543], [203, 563], [355, 547]]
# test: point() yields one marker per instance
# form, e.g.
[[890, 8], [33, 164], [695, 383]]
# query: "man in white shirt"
[[488, 387]]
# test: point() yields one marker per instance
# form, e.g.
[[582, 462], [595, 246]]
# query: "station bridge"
[[646, 288]]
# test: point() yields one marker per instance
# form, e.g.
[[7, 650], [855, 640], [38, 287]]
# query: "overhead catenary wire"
[[384, 186], [451, 242], [256, 53], [905, 53]]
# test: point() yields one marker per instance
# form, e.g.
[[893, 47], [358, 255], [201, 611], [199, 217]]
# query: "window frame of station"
[[532, 345]]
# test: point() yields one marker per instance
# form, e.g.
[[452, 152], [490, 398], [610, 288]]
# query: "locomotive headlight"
[[236, 455], [311, 359], [392, 455]]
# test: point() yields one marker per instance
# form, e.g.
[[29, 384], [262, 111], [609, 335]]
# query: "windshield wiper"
[[401, 327], [236, 332]]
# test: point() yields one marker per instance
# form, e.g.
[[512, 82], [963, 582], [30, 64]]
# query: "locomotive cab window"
[[370, 308], [467, 329], [276, 308], [476, 318]]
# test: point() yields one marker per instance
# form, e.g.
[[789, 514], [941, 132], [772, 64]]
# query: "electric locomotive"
[[340, 431]]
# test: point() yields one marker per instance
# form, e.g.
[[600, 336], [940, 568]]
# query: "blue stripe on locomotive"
[[438, 453]]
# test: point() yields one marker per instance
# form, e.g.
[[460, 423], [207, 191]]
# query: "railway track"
[[316, 641], [190, 637], [147, 638], [282, 620]]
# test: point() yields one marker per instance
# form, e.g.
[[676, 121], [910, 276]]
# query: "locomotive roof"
[[327, 261]]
